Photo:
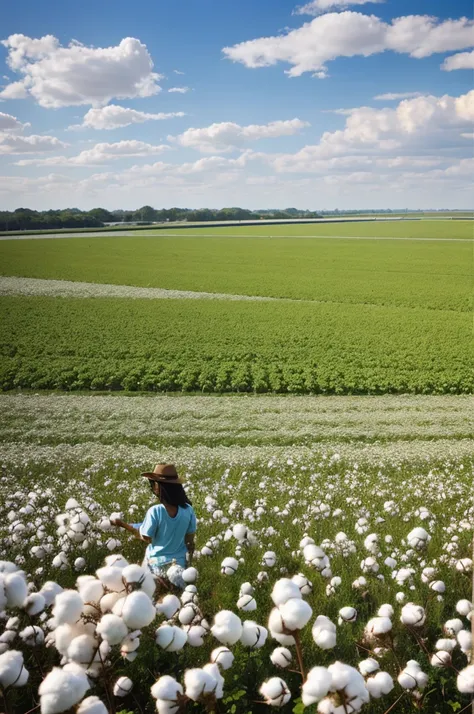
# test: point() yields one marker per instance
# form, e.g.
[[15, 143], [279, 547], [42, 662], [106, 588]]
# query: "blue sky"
[[277, 105]]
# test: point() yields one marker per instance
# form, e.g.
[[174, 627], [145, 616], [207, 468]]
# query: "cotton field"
[[328, 585]]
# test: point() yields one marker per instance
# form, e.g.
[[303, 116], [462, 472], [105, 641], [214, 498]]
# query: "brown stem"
[[109, 694], [5, 702], [299, 653], [395, 704], [30, 711]]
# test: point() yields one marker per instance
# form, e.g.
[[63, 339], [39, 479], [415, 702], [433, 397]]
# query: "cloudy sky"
[[258, 103]]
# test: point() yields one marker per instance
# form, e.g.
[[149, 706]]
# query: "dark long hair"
[[174, 494]]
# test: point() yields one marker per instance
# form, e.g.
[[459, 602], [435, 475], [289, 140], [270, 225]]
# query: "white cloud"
[[226, 136], [34, 144], [463, 60], [346, 34], [115, 117], [176, 71], [392, 96], [10, 123], [179, 90], [99, 154], [57, 76], [317, 7]]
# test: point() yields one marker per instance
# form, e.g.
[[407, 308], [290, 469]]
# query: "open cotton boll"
[[385, 610], [212, 669], [295, 613], [198, 682], [67, 607], [49, 591], [91, 591], [170, 638], [305, 586], [464, 607], [138, 610], [440, 659], [130, 643], [223, 657], [91, 705], [168, 607], [34, 604], [269, 559], [379, 685], [368, 666], [227, 627], [62, 689], [116, 560], [246, 589], [16, 588], [189, 613], [465, 680], [438, 586], [111, 577], [122, 687], [63, 635], [281, 657], [71, 504], [316, 686], [418, 538], [347, 614], [253, 635], [247, 603], [275, 692], [239, 531], [452, 627], [229, 566], [464, 638], [445, 644], [166, 687], [112, 629], [12, 669], [80, 564], [324, 633], [413, 615], [371, 543], [283, 590], [83, 650], [464, 565], [33, 636], [412, 676], [190, 575], [196, 634]]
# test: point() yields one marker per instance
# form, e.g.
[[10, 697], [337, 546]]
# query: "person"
[[168, 528]]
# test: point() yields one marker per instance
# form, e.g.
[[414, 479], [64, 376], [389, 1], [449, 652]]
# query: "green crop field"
[[352, 308]]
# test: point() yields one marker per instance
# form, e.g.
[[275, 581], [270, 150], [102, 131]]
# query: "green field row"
[[434, 274], [212, 346]]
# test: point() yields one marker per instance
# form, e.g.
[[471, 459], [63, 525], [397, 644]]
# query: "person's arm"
[[131, 529], [190, 545]]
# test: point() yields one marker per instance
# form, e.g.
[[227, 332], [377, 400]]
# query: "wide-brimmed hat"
[[163, 473]]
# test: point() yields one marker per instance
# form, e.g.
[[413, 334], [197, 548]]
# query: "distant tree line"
[[25, 219]]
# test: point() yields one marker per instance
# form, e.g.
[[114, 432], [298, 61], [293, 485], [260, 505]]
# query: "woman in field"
[[169, 527]]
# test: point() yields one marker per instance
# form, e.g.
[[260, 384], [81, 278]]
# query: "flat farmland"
[[347, 308]]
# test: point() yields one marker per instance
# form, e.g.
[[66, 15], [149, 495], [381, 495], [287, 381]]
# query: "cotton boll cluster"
[[336, 688], [412, 677]]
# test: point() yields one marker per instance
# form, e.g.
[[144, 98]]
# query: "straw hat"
[[163, 473]]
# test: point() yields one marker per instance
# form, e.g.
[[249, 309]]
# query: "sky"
[[257, 103]]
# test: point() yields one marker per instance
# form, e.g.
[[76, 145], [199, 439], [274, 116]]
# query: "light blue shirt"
[[167, 534]]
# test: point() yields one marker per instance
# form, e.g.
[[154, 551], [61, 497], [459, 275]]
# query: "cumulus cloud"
[[227, 136], [115, 117], [57, 76], [393, 96], [179, 90], [10, 123], [99, 154], [33, 144], [316, 7], [463, 60], [346, 34]]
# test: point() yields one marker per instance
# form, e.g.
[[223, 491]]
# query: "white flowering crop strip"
[[335, 583]]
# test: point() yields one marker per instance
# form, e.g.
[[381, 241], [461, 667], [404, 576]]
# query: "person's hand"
[[116, 521]]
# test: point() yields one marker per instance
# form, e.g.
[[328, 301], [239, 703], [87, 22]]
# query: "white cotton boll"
[[91, 705], [33, 636], [452, 627], [63, 635], [400, 597], [188, 613], [316, 686], [324, 633], [464, 607], [227, 627], [390, 563], [67, 607], [369, 565], [49, 591], [368, 666], [189, 575], [378, 626], [441, 659], [283, 590], [247, 603], [239, 531], [269, 559], [83, 649], [187, 597], [371, 543], [112, 629], [16, 588], [347, 614], [246, 589], [168, 606], [130, 643], [71, 504], [196, 634], [465, 680], [91, 591], [111, 577], [281, 657], [198, 682], [12, 669], [445, 644], [229, 566], [122, 687], [412, 676], [464, 638], [275, 692], [253, 635], [170, 638], [212, 669], [116, 560], [305, 586], [379, 685], [418, 538], [438, 586], [262, 576], [464, 565], [412, 615], [80, 564], [223, 657], [62, 689], [166, 687], [34, 604], [295, 613], [136, 575], [138, 610]]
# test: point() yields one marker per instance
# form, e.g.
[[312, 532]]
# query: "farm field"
[[372, 469]]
